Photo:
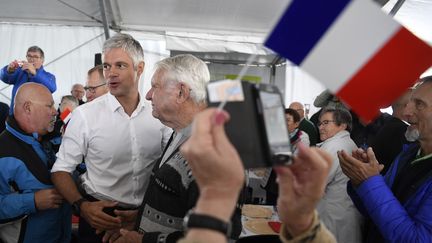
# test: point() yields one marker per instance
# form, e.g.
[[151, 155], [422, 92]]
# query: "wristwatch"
[[194, 220], [76, 206]]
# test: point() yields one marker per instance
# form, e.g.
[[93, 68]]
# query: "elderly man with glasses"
[[96, 84], [31, 70]]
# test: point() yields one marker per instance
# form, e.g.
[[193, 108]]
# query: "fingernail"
[[219, 118], [278, 170]]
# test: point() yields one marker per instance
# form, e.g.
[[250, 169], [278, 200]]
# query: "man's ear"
[[184, 92], [344, 126], [27, 106], [140, 68]]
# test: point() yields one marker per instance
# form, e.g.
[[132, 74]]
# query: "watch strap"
[[194, 220], [76, 206]]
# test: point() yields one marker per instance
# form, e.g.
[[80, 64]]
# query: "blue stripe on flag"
[[302, 26]]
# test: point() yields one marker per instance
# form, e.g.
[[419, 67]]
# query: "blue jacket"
[[24, 170], [410, 221], [19, 77]]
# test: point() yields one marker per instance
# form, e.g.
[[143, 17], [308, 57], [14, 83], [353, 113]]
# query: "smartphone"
[[257, 126]]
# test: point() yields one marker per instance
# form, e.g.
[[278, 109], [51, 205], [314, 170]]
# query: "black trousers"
[[87, 234]]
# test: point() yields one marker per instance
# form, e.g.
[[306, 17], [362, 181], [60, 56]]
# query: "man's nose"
[[408, 110], [149, 94]]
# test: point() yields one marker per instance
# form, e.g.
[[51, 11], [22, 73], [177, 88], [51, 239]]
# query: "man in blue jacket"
[[19, 72], [31, 208], [397, 205]]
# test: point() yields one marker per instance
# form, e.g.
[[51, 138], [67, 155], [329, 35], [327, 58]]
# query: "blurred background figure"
[[296, 136], [78, 92], [96, 84], [19, 72], [305, 125]]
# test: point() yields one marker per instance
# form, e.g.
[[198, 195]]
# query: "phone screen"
[[275, 124]]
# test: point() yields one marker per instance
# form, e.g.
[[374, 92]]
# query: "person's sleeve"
[[356, 199], [317, 233], [45, 78], [394, 222], [9, 78], [74, 144], [14, 204], [304, 138]]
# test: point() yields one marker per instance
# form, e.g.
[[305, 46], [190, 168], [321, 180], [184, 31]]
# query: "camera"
[[257, 126]]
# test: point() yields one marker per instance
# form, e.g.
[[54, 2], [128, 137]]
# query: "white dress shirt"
[[119, 151]]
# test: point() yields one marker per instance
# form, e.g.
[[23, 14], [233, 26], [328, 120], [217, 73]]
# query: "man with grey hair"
[[118, 139], [19, 72], [178, 93], [78, 92], [397, 205]]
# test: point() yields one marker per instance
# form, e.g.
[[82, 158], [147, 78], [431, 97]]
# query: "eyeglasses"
[[92, 89], [324, 123], [32, 57]]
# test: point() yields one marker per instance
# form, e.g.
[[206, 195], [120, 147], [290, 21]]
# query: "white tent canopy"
[[72, 31]]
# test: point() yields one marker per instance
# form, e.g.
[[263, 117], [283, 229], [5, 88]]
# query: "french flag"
[[356, 50], [66, 115]]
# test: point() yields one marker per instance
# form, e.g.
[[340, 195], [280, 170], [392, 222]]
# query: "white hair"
[[187, 69]]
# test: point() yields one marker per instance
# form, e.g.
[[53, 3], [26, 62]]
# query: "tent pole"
[[104, 18], [396, 7]]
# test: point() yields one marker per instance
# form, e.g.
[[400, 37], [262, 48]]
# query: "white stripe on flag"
[[334, 59]]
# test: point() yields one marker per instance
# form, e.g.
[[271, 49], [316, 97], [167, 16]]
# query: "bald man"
[[305, 125], [31, 209]]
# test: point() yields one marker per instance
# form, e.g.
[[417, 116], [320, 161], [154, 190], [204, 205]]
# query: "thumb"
[[220, 139], [123, 232], [371, 156], [108, 203], [381, 167]]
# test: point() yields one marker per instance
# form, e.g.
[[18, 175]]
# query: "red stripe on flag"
[[389, 73], [64, 114]]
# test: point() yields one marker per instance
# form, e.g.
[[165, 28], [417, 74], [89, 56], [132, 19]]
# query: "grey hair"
[[127, 43], [340, 116], [187, 69], [70, 100]]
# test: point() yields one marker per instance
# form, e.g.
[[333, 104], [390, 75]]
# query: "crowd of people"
[[158, 167]]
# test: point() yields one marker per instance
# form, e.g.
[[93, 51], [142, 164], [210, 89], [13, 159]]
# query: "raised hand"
[[360, 166]]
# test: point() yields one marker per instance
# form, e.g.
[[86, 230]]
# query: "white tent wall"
[[69, 51], [301, 87], [69, 54]]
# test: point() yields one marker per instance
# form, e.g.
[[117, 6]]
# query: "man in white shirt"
[[118, 139]]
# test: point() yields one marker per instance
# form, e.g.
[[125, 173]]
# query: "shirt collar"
[[114, 104]]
